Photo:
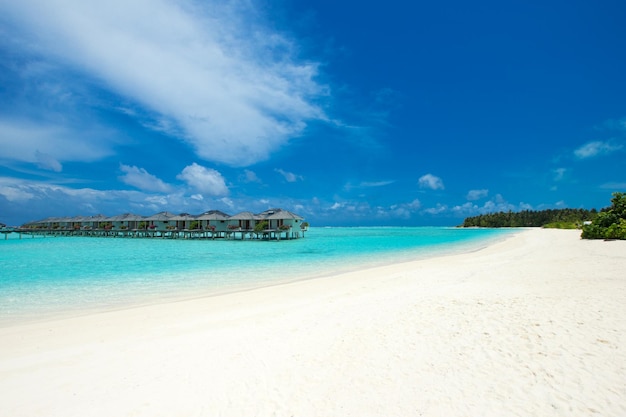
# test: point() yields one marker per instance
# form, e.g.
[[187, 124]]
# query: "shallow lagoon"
[[46, 277]]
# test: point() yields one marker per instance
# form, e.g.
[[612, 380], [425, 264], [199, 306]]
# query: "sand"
[[531, 326]]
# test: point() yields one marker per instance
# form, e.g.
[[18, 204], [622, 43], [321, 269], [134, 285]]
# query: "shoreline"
[[529, 325], [355, 263]]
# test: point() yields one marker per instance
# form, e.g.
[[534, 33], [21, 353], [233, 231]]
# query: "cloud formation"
[[289, 176], [559, 173], [250, 176], [48, 145], [473, 195], [494, 205], [209, 73], [596, 148], [204, 180], [142, 179], [430, 181], [15, 193], [367, 184]]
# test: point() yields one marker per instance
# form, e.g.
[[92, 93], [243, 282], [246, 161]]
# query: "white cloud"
[[394, 211], [596, 148], [159, 200], [43, 199], [47, 144], [250, 176], [367, 184], [496, 204], [289, 176], [142, 179], [205, 180], [413, 205], [438, 209], [227, 201], [15, 193], [431, 181], [615, 186], [45, 161], [403, 211], [477, 194], [614, 125], [559, 173], [24, 200], [466, 209], [211, 73]]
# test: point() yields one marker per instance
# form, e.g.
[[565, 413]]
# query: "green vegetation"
[[609, 223], [560, 218], [260, 227], [561, 225]]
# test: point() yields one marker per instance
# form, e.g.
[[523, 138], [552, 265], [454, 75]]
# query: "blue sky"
[[348, 113]]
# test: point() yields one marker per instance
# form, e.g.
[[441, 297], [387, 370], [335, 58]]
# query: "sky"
[[350, 113]]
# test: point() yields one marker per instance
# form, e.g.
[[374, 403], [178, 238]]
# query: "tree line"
[[564, 218], [609, 223]]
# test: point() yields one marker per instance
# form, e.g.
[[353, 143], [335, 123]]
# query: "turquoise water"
[[45, 277]]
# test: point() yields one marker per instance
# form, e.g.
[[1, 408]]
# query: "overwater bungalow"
[[213, 221], [99, 221], [243, 222], [126, 221], [284, 222], [183, 221], [276, 224], [283, 218], [159, 222]]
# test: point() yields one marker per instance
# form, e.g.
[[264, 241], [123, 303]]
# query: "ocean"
[[43, 278]]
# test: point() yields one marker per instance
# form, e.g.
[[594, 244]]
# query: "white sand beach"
[[534, 325]]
